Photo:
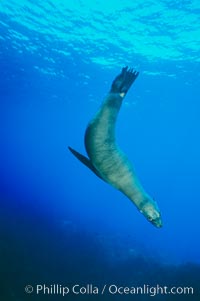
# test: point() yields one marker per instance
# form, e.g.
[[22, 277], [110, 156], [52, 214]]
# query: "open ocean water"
[[60, 225]]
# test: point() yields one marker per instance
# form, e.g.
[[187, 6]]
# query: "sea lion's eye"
[[150, 218]]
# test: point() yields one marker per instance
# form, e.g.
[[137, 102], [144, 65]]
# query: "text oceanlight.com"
[[111, 289]]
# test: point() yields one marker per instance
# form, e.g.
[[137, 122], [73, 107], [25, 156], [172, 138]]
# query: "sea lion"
[[106, 159]]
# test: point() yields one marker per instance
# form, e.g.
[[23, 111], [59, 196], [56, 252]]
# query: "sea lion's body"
[[106, 159], [113, 166]]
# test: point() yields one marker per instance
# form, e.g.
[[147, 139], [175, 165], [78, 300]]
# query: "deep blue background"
[[59, 222]]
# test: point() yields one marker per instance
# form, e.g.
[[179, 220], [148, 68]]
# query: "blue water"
[[58, 221]]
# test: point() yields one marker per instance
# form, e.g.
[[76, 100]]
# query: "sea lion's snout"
[[157, 222], [151, 212]]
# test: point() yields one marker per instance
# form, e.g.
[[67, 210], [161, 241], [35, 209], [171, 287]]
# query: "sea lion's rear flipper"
[[123, 81], [85, 161]]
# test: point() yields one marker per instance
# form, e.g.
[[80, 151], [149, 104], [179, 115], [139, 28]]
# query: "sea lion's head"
[[151, 211]]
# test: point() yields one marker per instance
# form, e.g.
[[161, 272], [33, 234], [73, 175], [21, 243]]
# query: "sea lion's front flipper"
[[85, 161], [123, 81]]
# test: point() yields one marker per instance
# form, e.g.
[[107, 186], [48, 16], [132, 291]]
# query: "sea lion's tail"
[[123, 81]]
